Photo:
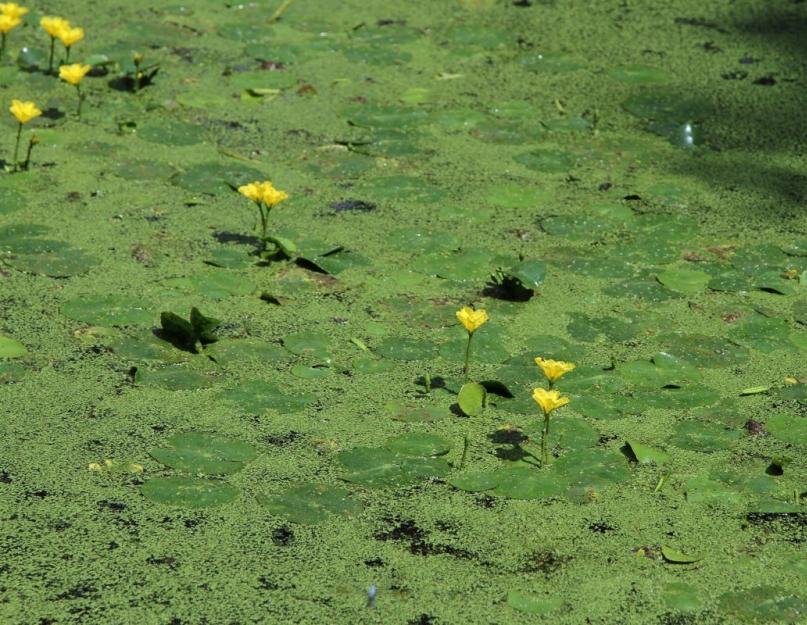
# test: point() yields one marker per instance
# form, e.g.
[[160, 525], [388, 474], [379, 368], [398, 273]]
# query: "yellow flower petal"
[[270, 195], [549, 400], [8, 22], [472, 319], [68, 36], [554, 369], [73, 73], [252, 190], [24, 111], [54, 25], [12, 9]]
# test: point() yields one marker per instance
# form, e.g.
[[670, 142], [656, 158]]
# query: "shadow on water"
[[756, 137]]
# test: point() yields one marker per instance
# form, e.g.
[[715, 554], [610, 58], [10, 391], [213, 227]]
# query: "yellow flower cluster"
[[263, 193], [10, 16], [59, 28]]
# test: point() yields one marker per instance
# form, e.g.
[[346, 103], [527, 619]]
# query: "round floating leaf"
[[476, 482], [595, 408], [370, 365], [645, 454], [257, 396], [546, 160], [174, 379], [667, 106], [62, 263], [381, 467], [566, 433], [532, 604], [711, 492], [311, 503], [11, 348], [188, 492], [705, 436], [592, 468], [567, 124], [763, 604], [677, 557], [704, 351], [229, 258], [11, 371], [108, 310], [214, 284], [171, 132], [234, 351], [420, 240], [198, 452], [681, 596], [788, 428], [400, 348], [486, 346], [415, 414], [310, 373], [648, 290], [687, 281], [640, 74], [216, 178], [767, 334], [312, 345], [527, 483], [511, 195], [673, 398], [419, 444], [471, 398], [10, 201]]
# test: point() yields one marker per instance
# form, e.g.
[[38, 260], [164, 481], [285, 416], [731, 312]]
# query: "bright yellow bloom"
[[24, 111], [8, 22], [73, 73], [548, 400], [94, 466], [554, 369], [12, 9], [252, 190], [68, 36], [472, 319], [272, 196], [54, 25]]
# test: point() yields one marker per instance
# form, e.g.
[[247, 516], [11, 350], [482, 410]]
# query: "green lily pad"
[[763, 604], [683, 280], [310, 503], [312, 345], [401, 348], [591, 469], [527, 483], [532, 604], [174, 378], [704, 490], [681, 596], [62, 263], [216, 178], [10, 201], [310, 373], [511, 195], [257, 397], [215, 284], [547, 160], [677, 557], [645, 454], [471, 398], [766, 334], [704, 436], [419, 445], [381, 467], [234, 351], [188, 492], [788, 428], [201, 453], [108, 310], [595, 408], [476, 481], [11, 371], [229, 258], [171, 132], [11, 348], [704, 351]]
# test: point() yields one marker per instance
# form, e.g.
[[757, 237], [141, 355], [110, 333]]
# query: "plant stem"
[[80, 99], [52, 49], [67, 55], [2, 45], [263, 221], [467, 356], [464, 450], [544, 441], [33, 141], [17, 147]]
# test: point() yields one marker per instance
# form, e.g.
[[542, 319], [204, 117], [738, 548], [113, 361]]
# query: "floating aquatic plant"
[[24, 112], [266, 197], [74, 74], [54, 27], [190, 335], [69, 36], [550, 400], [472, 395]]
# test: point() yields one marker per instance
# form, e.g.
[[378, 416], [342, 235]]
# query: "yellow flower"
[[252, 190], [8, 22], [94, 466], [73, 73], [54, 25], [24, 111], [548, 400], [472, 319], [554, 369], [68, 36], [12, 9], [272, 196]]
